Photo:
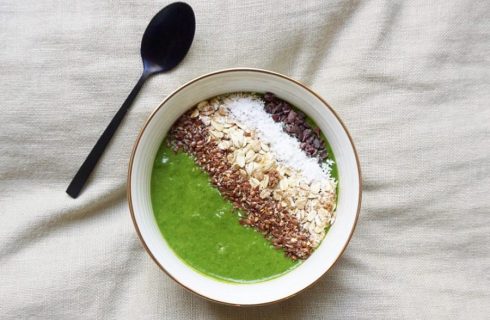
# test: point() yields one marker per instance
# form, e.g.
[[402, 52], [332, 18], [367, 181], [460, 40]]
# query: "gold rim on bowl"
[[128, 189]]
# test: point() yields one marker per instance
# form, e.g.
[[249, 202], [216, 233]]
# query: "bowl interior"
[[140, 176]]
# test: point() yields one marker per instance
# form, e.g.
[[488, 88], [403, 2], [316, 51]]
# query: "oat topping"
[[251, 112]]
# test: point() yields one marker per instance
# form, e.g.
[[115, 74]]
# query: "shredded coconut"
[[249, 111]]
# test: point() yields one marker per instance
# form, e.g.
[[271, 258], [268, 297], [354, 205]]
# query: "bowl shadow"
[[320, 293]]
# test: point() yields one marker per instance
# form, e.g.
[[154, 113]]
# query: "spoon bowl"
[[165, 43], [168, 38]]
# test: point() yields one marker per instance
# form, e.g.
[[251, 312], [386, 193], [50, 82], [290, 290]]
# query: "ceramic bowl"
[[152, 135]]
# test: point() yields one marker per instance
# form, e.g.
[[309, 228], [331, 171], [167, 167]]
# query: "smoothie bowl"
[[244, 186]]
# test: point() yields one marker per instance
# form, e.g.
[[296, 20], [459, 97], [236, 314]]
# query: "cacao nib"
[[269, 97], [291, 116], [295, 125]]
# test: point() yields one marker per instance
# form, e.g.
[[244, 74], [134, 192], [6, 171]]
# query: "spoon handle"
[[93, 157]]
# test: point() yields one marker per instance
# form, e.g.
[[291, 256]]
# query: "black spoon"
[[165, 43]]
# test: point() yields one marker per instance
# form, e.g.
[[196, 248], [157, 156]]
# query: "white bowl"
[[152, 135]]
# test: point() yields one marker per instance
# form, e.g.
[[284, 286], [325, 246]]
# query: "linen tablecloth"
[[410, 79]]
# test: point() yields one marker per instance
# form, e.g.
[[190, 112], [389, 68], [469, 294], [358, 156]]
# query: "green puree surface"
[[203, 229]]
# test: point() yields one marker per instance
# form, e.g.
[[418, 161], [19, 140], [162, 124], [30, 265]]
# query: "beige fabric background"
[[410, 79]]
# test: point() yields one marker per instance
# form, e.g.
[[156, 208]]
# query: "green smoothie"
[[203, 229]]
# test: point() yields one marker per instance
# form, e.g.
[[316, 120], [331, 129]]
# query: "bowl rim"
[[213, 73]]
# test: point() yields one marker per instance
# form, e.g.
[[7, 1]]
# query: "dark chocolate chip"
[[276, 117], [291, 116], [316, 143], [306, 134], [297, 131], [295, 124], [289, 128], [276, 108], [299, 135], [269, 107], [285, 107], [269, 97]]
